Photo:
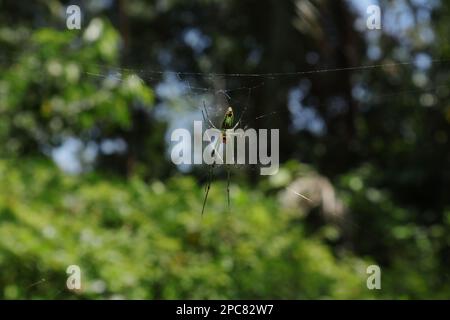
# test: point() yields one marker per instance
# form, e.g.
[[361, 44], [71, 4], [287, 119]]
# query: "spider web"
[[216, 89], [184, 93], [181, 94]]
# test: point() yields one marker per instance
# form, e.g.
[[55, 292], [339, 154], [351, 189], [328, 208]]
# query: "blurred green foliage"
[[58, 88], [132, 221], [134, 240], [148, 241]]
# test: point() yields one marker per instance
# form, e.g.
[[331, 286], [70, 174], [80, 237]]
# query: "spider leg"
[[214, 153], [208, 186], [204, 107], [224, 93], [245, 109], [240, 118], [206, 119], [228, 187]]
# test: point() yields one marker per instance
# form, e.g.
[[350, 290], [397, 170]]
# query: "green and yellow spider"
[[227, 125]]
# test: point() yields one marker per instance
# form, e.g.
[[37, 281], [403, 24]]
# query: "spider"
[[226, 128]]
